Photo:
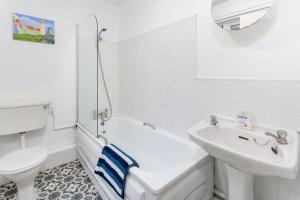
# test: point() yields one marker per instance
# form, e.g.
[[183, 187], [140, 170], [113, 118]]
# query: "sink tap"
[[280, 138], [214, 120]]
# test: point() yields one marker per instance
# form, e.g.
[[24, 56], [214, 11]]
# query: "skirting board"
[[55, 158]]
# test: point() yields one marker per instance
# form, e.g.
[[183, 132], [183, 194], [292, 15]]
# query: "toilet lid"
[[21, 160]]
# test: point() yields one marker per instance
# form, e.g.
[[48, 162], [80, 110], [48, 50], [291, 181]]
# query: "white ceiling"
[[114, 1]]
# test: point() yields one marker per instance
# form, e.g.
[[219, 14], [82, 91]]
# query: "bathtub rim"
[[157, 182]]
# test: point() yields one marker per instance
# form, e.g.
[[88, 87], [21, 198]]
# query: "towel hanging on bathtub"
[[113, 166]]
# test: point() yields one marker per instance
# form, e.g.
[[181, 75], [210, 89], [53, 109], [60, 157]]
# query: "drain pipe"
[[53, 122], [23, 140]]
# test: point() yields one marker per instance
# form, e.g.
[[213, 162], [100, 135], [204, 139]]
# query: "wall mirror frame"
[[235, 15]]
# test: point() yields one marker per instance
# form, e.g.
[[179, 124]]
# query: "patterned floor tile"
[[66, 182]]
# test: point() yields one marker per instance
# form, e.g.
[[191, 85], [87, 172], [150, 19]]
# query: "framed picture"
[[33, 29]]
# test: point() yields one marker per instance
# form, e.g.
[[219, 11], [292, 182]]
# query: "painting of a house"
[[33, 29]]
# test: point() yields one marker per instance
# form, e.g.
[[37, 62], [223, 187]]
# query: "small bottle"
[[244, 121]]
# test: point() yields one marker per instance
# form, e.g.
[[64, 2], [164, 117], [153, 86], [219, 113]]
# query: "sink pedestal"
[[240, 184]]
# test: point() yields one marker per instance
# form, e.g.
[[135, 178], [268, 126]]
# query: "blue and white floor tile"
[[66, 182]]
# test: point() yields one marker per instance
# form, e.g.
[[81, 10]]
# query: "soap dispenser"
[[243, 120]]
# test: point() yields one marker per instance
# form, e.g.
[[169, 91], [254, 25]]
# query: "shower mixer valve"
[[104, 114]]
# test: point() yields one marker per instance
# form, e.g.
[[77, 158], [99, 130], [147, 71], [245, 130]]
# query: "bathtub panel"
[[88, 152], [197, 183]]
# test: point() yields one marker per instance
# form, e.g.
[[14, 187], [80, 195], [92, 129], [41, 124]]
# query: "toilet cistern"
[[23, 165]]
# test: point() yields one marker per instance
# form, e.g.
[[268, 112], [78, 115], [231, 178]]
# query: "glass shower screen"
[[87, 74]]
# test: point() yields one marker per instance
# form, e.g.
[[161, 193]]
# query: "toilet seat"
[[22, 160]]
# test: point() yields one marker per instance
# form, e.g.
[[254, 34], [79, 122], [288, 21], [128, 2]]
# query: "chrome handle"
[[282, 134], [214, 120], [149, 125], [280, 138], [213, 117]]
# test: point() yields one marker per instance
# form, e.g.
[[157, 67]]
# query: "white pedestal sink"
[[247, 153]]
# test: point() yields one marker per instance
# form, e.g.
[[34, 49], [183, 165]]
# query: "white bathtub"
[[170, 167]]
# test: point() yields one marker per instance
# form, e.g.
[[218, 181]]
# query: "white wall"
[[140, 16], [267, 50], [171, 98], [41, 70], [110, 63]]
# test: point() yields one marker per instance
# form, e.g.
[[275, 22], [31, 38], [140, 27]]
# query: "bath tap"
[[214, 120], [280, 138], [104, 114], [150, 125]]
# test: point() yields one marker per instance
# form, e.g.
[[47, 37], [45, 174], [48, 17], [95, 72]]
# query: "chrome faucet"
[[214, 120], [149, 125], [104, 114], [280, 138]]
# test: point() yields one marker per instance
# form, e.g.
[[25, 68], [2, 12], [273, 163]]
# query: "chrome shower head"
[[100, 33]]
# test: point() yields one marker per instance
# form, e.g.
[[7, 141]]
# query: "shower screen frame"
[[93, 115]]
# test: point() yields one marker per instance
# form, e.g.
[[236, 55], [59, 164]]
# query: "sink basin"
[[247, 152]]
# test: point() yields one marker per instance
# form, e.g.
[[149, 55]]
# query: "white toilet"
[[23, 165]]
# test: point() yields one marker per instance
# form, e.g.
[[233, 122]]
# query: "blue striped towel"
[[113, 166]]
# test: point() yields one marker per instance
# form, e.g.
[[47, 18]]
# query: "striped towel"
[[113, 166]]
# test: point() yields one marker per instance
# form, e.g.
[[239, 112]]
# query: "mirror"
[[239, 14]]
